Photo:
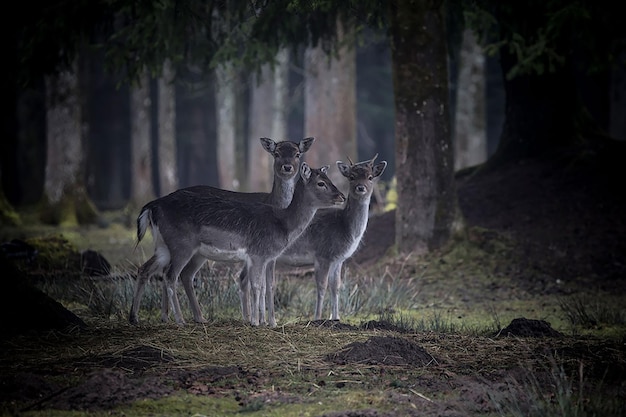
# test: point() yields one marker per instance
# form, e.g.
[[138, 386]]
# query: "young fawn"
[[190, 226], [333, 236], [286, 164]]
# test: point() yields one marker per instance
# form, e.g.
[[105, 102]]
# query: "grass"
[[451, 304], [560, 394]]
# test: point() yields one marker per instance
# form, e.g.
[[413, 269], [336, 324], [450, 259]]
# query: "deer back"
[[218, 227]]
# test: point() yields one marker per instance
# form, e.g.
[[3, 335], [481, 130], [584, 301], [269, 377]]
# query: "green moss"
[[8, 215], [55, 253]]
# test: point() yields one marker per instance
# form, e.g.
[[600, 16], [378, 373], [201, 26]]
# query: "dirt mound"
[[523, 327], [378, 350], [332, 324]]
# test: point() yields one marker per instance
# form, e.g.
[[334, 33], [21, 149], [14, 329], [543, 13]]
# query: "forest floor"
[[546, 230]]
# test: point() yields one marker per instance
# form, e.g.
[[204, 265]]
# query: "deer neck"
[[297, 216], [356, 213], [282, 191]]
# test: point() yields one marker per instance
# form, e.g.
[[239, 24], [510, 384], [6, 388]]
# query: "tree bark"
[[226, 103], [65, 199], [427, 214], [330, 106], [141, 190], [168, 172]]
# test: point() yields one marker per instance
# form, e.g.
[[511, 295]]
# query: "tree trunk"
[[168, 172], [226, 101], [330, 106], [65, 198], [427, 214], [268, 96], [141, 189], [470, 137]]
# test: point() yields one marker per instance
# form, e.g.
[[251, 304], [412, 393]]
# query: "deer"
[[192, 225], [286, 164], [332, 237]]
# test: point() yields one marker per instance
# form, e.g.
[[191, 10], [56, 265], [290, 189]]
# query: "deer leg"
[[244, 293], [321, 282], [143, 275], [177, 264], [335, 283], [165, 304], [269, 294], [186, 277], [256, 275], [262, 296]]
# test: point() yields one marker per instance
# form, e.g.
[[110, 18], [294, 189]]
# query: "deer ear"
[[305, 144], [325, 169], [305, 171], [379, 168], [268, 144], [344, 169]]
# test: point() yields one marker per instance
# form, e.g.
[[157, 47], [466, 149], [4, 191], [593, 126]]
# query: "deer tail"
[[143, 221]]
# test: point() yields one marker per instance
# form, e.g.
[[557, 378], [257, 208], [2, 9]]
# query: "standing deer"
[[333, 236], [194, 224], [286, 165]]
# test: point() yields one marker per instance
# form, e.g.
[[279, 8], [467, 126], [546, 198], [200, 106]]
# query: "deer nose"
[[360, 189], [287, 168]]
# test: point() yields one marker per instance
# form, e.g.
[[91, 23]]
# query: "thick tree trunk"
[[330, 106], [168, 172], [65, 198], [226, 106], [470, 136], [141, 189], [427, 214]]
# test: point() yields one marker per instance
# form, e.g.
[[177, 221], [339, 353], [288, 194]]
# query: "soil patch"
[[523, 327], [383, 350]]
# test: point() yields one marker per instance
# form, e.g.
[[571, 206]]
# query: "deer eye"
[[297, 154], [370, 177], [321, 184]]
